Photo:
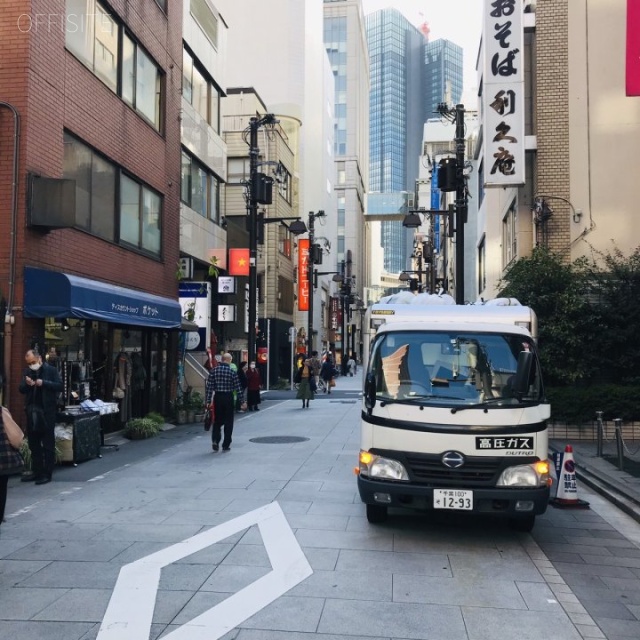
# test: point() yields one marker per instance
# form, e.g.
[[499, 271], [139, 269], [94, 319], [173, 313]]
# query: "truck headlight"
[[525, 475], [375, 466]]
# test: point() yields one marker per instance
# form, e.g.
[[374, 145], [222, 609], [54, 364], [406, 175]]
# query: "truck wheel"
[[376, 514], [524, 524]]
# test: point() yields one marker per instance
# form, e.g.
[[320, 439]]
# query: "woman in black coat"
[[327, 372], [10, 464]]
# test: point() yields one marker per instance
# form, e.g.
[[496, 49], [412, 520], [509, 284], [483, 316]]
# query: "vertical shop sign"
[[303, 275], [195, 302], [633, 47], [503, 93]]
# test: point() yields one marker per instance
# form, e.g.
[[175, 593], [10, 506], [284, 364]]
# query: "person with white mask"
[[40, 384]]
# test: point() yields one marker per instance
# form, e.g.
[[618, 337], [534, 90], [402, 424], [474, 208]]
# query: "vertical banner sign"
[[503, 93], [303, 275], [633, 47], [195, 302], [335, 318]]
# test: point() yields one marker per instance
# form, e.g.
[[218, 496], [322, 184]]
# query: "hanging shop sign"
[[503, 93], [303, 275], [226, 284], [195, 302], [226, 313]]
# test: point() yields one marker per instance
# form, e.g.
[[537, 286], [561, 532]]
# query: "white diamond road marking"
[[130, 610]]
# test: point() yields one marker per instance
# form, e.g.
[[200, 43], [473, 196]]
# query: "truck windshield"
[[451, 368]]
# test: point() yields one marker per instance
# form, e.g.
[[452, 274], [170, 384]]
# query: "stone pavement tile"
[[557, 556], [76, 550], [198, 604], [336, 509], [169, 604], [232, 578], [488, 624], [80, 575], [623, 628], [578, 548], [423, 564], [25, 603], [625, 552], [252, 555], [393, 619], [32, 530], [9, 544], [339, 497], [202, 517], [635, 610], [77, 605], [610, 534], [15, 630], [538, 596], [184, 577], [567, 568], [501, 594], [608, 610], [591, 594], [212, 555], [156, 631], [294, 506], [130, 515], [345, 585], [138, 550], [13, 572], [260, 634], [322, 559], [590, 631], [473, 567], [580, 580], [613, 561], [306, 521], [267, 485], [344, 540], [608, 543], [148, 533], [624, 584]]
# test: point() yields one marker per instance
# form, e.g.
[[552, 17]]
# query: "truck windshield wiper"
[[422, 396], [488, 401]]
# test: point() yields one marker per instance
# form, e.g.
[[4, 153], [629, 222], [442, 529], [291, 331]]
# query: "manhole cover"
[[278, 439]]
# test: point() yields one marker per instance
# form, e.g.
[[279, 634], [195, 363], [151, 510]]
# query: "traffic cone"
[[567, 493]]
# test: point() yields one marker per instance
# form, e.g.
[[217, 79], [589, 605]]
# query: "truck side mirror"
[[370, 391], [520, 384]]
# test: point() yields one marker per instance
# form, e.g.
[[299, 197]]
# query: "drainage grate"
[[278, 439]]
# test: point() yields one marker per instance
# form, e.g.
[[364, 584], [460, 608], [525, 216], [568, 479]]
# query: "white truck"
[[454, 415]]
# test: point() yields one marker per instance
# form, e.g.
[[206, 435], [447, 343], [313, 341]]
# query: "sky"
[[457, 20]]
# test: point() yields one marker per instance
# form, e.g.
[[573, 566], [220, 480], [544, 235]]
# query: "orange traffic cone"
[[567, 494]]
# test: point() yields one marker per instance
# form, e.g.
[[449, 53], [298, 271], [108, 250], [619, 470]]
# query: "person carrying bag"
[[10, 459]]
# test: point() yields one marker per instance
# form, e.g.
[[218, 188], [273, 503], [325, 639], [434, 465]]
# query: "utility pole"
[[258, 193], [461, 202]]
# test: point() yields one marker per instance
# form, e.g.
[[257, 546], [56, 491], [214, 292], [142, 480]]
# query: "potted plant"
[[179, 405], [196, 403], [141, 428]]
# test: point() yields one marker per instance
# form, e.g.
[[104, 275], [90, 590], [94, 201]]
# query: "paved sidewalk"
[[270, 542]]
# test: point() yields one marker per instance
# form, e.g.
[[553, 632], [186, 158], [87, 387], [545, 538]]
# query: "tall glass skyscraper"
[[402, 84], [442, 75]]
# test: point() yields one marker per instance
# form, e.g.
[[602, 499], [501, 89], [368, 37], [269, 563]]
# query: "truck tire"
[[376, 514], [523, 524]]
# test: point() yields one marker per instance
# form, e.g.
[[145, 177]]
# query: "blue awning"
[[60, 295]]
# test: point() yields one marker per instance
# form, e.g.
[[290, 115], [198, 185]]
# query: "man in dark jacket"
[[41, 384]]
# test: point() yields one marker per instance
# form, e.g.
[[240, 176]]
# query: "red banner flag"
[[238, 262], [633, 47], [303, 274]]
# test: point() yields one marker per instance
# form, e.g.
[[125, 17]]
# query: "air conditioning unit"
[[411, 201]]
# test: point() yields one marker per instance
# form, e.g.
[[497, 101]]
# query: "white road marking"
[[130, 610]]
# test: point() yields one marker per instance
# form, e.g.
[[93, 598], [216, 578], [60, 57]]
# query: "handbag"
[[312, 383], [332, 382], [12, 429], [208, 418]]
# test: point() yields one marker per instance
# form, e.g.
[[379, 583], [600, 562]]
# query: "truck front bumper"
[[498, 501]]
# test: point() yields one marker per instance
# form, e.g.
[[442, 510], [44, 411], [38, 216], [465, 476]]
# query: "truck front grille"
[[429, 469]]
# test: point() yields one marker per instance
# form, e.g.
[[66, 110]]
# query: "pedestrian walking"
[[254, 384], [327, 373], [221, 385], [351, 366], [316, 365], [307, 383], [241, 402], [40, 384], [10, 464]]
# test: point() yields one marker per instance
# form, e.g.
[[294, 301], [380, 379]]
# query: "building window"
[[342, 174], [139, 208], [237, 170], [206, 19], [139, 215], [199, 188], [509, 237], [162, 4], [284, 241], [93, 35], [285, 295], [284, 185], [200, 91]]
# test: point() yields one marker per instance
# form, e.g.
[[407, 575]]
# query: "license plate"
[[453, 499]]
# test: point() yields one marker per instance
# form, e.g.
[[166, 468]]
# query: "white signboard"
[[226, 284], [503, 93], [226, 312]]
